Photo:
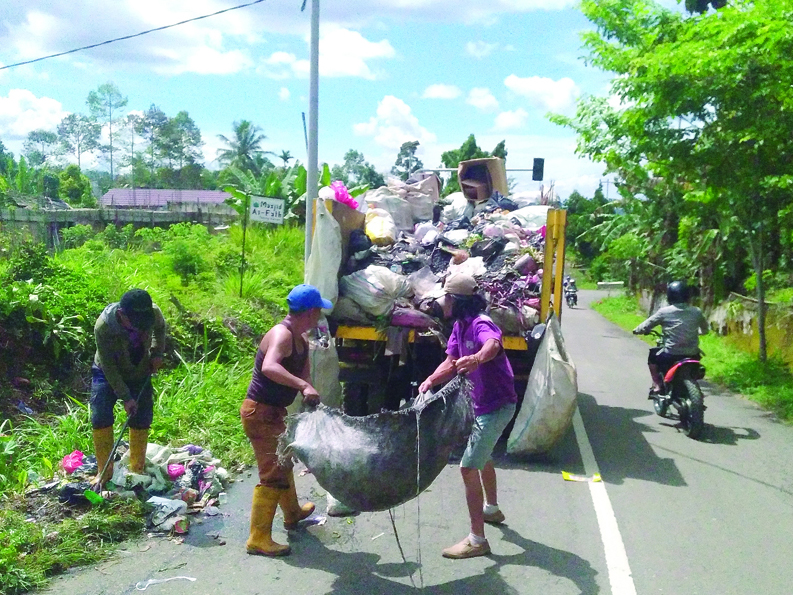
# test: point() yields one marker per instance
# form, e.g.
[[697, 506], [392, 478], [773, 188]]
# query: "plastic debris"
[[572, 477], [24, 408], [143, 585], [175, 471], [72, 461]]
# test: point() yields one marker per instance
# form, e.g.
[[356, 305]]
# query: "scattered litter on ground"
[[142, 586], [573, 477]]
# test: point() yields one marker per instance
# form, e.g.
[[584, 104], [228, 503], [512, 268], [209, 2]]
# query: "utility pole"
[[313, 128]]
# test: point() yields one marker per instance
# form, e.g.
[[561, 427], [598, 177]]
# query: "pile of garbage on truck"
[[400, 241]]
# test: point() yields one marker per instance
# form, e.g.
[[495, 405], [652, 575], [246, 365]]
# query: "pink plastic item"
[[71, 461], [342, 195], [175, 471]]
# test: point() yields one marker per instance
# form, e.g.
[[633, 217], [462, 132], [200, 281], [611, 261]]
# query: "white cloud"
[[393, 125], [546, 93], [480, 49], [441, 91], [342, 53], [283, 65], [40, 27], [22, 112], [511, 120], [284, 94], [481, 98]]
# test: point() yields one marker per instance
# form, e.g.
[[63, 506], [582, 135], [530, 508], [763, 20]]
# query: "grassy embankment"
[[212, 337], [770, 384]]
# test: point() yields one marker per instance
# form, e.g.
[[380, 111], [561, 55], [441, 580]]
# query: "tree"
[[286, 157], [243, 148], [151, 128], [356, 171], [181, 142], [128, 133], [406, 161], [23, 180], [707, 115], [39, 145], [78, 134], [104, 105]]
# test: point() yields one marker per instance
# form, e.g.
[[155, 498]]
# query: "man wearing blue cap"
[[280, 371]]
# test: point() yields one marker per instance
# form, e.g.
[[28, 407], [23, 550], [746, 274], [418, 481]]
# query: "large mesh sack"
[[550, 399], [370, 463]]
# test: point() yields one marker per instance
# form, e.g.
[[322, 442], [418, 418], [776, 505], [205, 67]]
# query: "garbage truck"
[[397, 244]]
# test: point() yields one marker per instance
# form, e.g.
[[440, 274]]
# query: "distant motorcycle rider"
[[681, 324]]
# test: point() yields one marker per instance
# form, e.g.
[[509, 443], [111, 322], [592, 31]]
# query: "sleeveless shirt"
[[268, 392]]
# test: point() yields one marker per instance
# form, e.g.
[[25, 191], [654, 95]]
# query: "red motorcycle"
[[681, 391]]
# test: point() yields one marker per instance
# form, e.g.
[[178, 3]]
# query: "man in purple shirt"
[[475, 349]]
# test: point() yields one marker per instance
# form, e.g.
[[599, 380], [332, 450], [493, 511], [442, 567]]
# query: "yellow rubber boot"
[[138, 441], [103, 444], [260, 542], [293, 512]]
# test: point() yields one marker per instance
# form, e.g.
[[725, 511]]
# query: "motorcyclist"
[[681, 325]]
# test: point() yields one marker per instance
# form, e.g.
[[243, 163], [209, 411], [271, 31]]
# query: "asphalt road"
[[673, 515]]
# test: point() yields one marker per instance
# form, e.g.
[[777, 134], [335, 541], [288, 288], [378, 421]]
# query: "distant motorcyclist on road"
[[681, 325]]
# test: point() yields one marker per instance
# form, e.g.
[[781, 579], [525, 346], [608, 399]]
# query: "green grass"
[[31, 552], [214, 334], [770, 383]]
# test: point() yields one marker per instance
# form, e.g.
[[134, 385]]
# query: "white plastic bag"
[[459, 206], [375, 289], [531, 218], [380, 227], [421, 195], [324, 364], [550, 399], [325, 258], [399, 209]]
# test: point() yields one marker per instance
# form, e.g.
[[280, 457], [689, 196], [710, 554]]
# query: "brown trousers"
[[263, 424]]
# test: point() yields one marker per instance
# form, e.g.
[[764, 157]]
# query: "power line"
[[109, 41]]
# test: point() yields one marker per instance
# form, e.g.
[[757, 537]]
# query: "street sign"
[[267, 210]]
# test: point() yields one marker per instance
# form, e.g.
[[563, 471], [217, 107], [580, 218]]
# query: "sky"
[[391, 71]]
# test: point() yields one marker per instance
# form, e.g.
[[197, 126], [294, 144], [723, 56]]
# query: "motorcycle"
[[571, 296], [680, 390]]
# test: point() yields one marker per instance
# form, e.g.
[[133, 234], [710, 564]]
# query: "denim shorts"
[[103, 399], [485, 433]]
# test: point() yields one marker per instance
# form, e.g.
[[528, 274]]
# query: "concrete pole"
[[313, 127]]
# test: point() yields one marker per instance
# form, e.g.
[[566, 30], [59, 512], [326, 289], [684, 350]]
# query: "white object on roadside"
[[550, 399], [142, 586]]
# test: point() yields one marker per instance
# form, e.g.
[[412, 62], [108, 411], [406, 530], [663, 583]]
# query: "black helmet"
[[677, 292]]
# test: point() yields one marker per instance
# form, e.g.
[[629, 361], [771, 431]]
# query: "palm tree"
[[286, 157], [244, 147]]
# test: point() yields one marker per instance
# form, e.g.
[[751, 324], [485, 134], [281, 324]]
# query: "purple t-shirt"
[[494, 382]]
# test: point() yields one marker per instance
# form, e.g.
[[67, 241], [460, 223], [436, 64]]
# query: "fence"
[[45, 226]]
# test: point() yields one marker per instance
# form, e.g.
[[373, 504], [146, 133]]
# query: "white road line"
[[616, 557]]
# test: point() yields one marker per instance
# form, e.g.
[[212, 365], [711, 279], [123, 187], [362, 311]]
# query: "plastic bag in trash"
[[380, 227], [165, 511], [72, 461], [375, 289], [74, 493]]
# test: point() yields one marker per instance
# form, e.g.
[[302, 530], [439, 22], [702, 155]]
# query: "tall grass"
[[769, 383]]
